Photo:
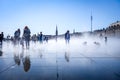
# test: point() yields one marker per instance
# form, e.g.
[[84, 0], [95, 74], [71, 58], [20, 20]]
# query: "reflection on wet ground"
[[53, 62]]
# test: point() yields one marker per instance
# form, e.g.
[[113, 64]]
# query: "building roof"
[[115, 23]]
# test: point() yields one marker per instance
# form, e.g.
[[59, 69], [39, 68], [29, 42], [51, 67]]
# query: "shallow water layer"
[[58, 61]]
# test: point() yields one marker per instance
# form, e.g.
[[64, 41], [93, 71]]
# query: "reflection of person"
[[17, 59], [67, 56], [26, 35], [1, 53], [26, 64], [67, 36]]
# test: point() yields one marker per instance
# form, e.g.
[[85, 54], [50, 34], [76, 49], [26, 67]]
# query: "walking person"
[[1, 38], [1, 43], [67, 37], [106, 39], [41, 37], [17, 36], [26, 35]]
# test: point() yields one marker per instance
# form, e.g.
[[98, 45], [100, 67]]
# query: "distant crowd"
[[26, 37]]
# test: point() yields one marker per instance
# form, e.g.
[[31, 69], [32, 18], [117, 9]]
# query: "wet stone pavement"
[[58, 61]]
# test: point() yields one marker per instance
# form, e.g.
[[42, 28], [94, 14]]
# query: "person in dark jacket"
[[17, 36], [41, 37], [1, 38], [67, 37], [26, 35]]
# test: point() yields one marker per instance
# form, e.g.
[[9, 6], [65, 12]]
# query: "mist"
[[88, 46]]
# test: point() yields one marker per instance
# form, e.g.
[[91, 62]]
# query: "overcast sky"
[[44, 15]]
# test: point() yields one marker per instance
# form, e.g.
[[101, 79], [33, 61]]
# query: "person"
[[34, 38], [1, 52], [17, 35], [46, 39], [26, 35], [105, 39], [8, 37], [1, 38], [67, 37], [101, 36], [41, 37], [97, 43]]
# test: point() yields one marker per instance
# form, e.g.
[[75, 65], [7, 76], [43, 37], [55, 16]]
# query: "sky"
[[44, 15]]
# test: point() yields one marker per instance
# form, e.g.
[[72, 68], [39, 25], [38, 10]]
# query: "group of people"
[[39, 37], [26, 36]]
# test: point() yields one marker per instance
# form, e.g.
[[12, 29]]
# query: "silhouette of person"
[[46, 39], [26, 35], [8, 37], [41, 37], [1, 38], [67, 37], [17, 34], [34, 38], [97, 43], [105, 39], [101, 36]]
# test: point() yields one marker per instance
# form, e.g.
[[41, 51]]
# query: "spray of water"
[[78, 47]]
